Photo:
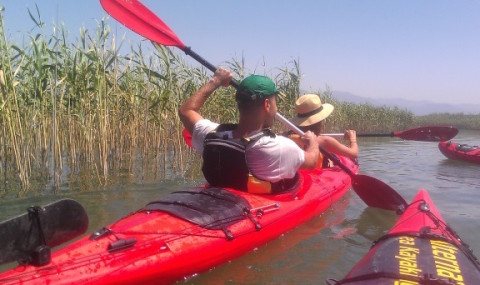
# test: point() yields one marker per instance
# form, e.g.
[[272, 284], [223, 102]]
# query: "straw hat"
[[310, 110]]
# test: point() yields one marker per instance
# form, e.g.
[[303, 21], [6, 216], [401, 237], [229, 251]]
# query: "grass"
[[459, 120], [86, 109]]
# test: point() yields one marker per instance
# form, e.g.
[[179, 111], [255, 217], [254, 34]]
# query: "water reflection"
[[325, 247]]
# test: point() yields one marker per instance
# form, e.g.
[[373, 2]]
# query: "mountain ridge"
[[418, 108]]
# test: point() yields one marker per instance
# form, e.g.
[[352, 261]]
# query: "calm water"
[[329, 245]]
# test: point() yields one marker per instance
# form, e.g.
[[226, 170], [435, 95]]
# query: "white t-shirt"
[[270, 159]]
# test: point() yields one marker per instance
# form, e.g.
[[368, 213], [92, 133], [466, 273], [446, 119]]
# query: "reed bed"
[[366, 117], [87, 110], [459, 120]]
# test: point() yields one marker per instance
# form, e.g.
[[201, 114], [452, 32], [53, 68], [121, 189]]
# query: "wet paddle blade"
[[376, 193], [135, 16], [429, 133], [144, 22], [60, 221]]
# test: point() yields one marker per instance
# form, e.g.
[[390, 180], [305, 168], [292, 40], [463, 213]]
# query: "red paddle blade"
[[376, 193], [187, 137], [430, 133], [135, 16]]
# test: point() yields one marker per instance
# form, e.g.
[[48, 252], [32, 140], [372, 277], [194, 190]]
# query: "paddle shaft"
[[368, 135], [204, 62], [425, 133]]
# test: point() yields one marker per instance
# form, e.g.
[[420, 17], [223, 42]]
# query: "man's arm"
[[332, 145], [189, 111]]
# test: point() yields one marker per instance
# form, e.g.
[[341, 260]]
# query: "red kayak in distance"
[[186, 233], [420, 249], [460, 151]]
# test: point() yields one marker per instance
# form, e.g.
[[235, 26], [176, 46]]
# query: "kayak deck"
[[152, 247], [419, 249]]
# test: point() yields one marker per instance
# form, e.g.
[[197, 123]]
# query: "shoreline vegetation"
[[85, 111]]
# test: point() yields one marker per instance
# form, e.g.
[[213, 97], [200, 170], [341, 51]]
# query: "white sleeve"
[[273, 159], [200, 131], [291, 157]]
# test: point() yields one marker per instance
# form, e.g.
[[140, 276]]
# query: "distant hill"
[[416, 107]]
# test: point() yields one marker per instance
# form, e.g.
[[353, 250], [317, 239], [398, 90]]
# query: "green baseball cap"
[[256, 87]]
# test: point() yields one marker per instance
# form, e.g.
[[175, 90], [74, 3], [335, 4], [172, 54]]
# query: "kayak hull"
[[155, 247], [460, 151], [419, 249]]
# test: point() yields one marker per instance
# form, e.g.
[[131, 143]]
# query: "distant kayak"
[[187, 232], [460, 151], [420, 249]]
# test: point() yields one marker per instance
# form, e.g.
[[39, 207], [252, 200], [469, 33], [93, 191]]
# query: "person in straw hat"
[[311, 115]]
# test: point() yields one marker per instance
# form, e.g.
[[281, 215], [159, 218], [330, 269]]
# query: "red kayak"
[[185, 233], [420, 249], [460, 151]]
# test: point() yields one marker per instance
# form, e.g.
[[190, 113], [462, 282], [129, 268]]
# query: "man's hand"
[[189, 112], [310, 139], [222, 77], [351, 136]]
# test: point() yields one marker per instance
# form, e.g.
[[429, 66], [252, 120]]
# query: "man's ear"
[[267, 104]]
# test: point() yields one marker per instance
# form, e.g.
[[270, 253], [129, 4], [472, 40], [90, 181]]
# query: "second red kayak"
[[420, 249], [460, 151]]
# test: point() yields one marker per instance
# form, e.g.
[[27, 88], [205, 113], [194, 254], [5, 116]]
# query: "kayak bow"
[[420, 249]]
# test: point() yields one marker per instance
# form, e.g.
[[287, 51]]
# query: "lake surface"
[[329, 245]]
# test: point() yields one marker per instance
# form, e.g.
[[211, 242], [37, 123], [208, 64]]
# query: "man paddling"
[[247, 156]]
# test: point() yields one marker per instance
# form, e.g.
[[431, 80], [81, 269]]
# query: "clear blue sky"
[[416, 50]]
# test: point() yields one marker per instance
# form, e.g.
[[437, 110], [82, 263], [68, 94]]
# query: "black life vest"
[[225, 165]]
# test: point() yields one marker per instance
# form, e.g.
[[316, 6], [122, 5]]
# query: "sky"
[[411, 49]]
